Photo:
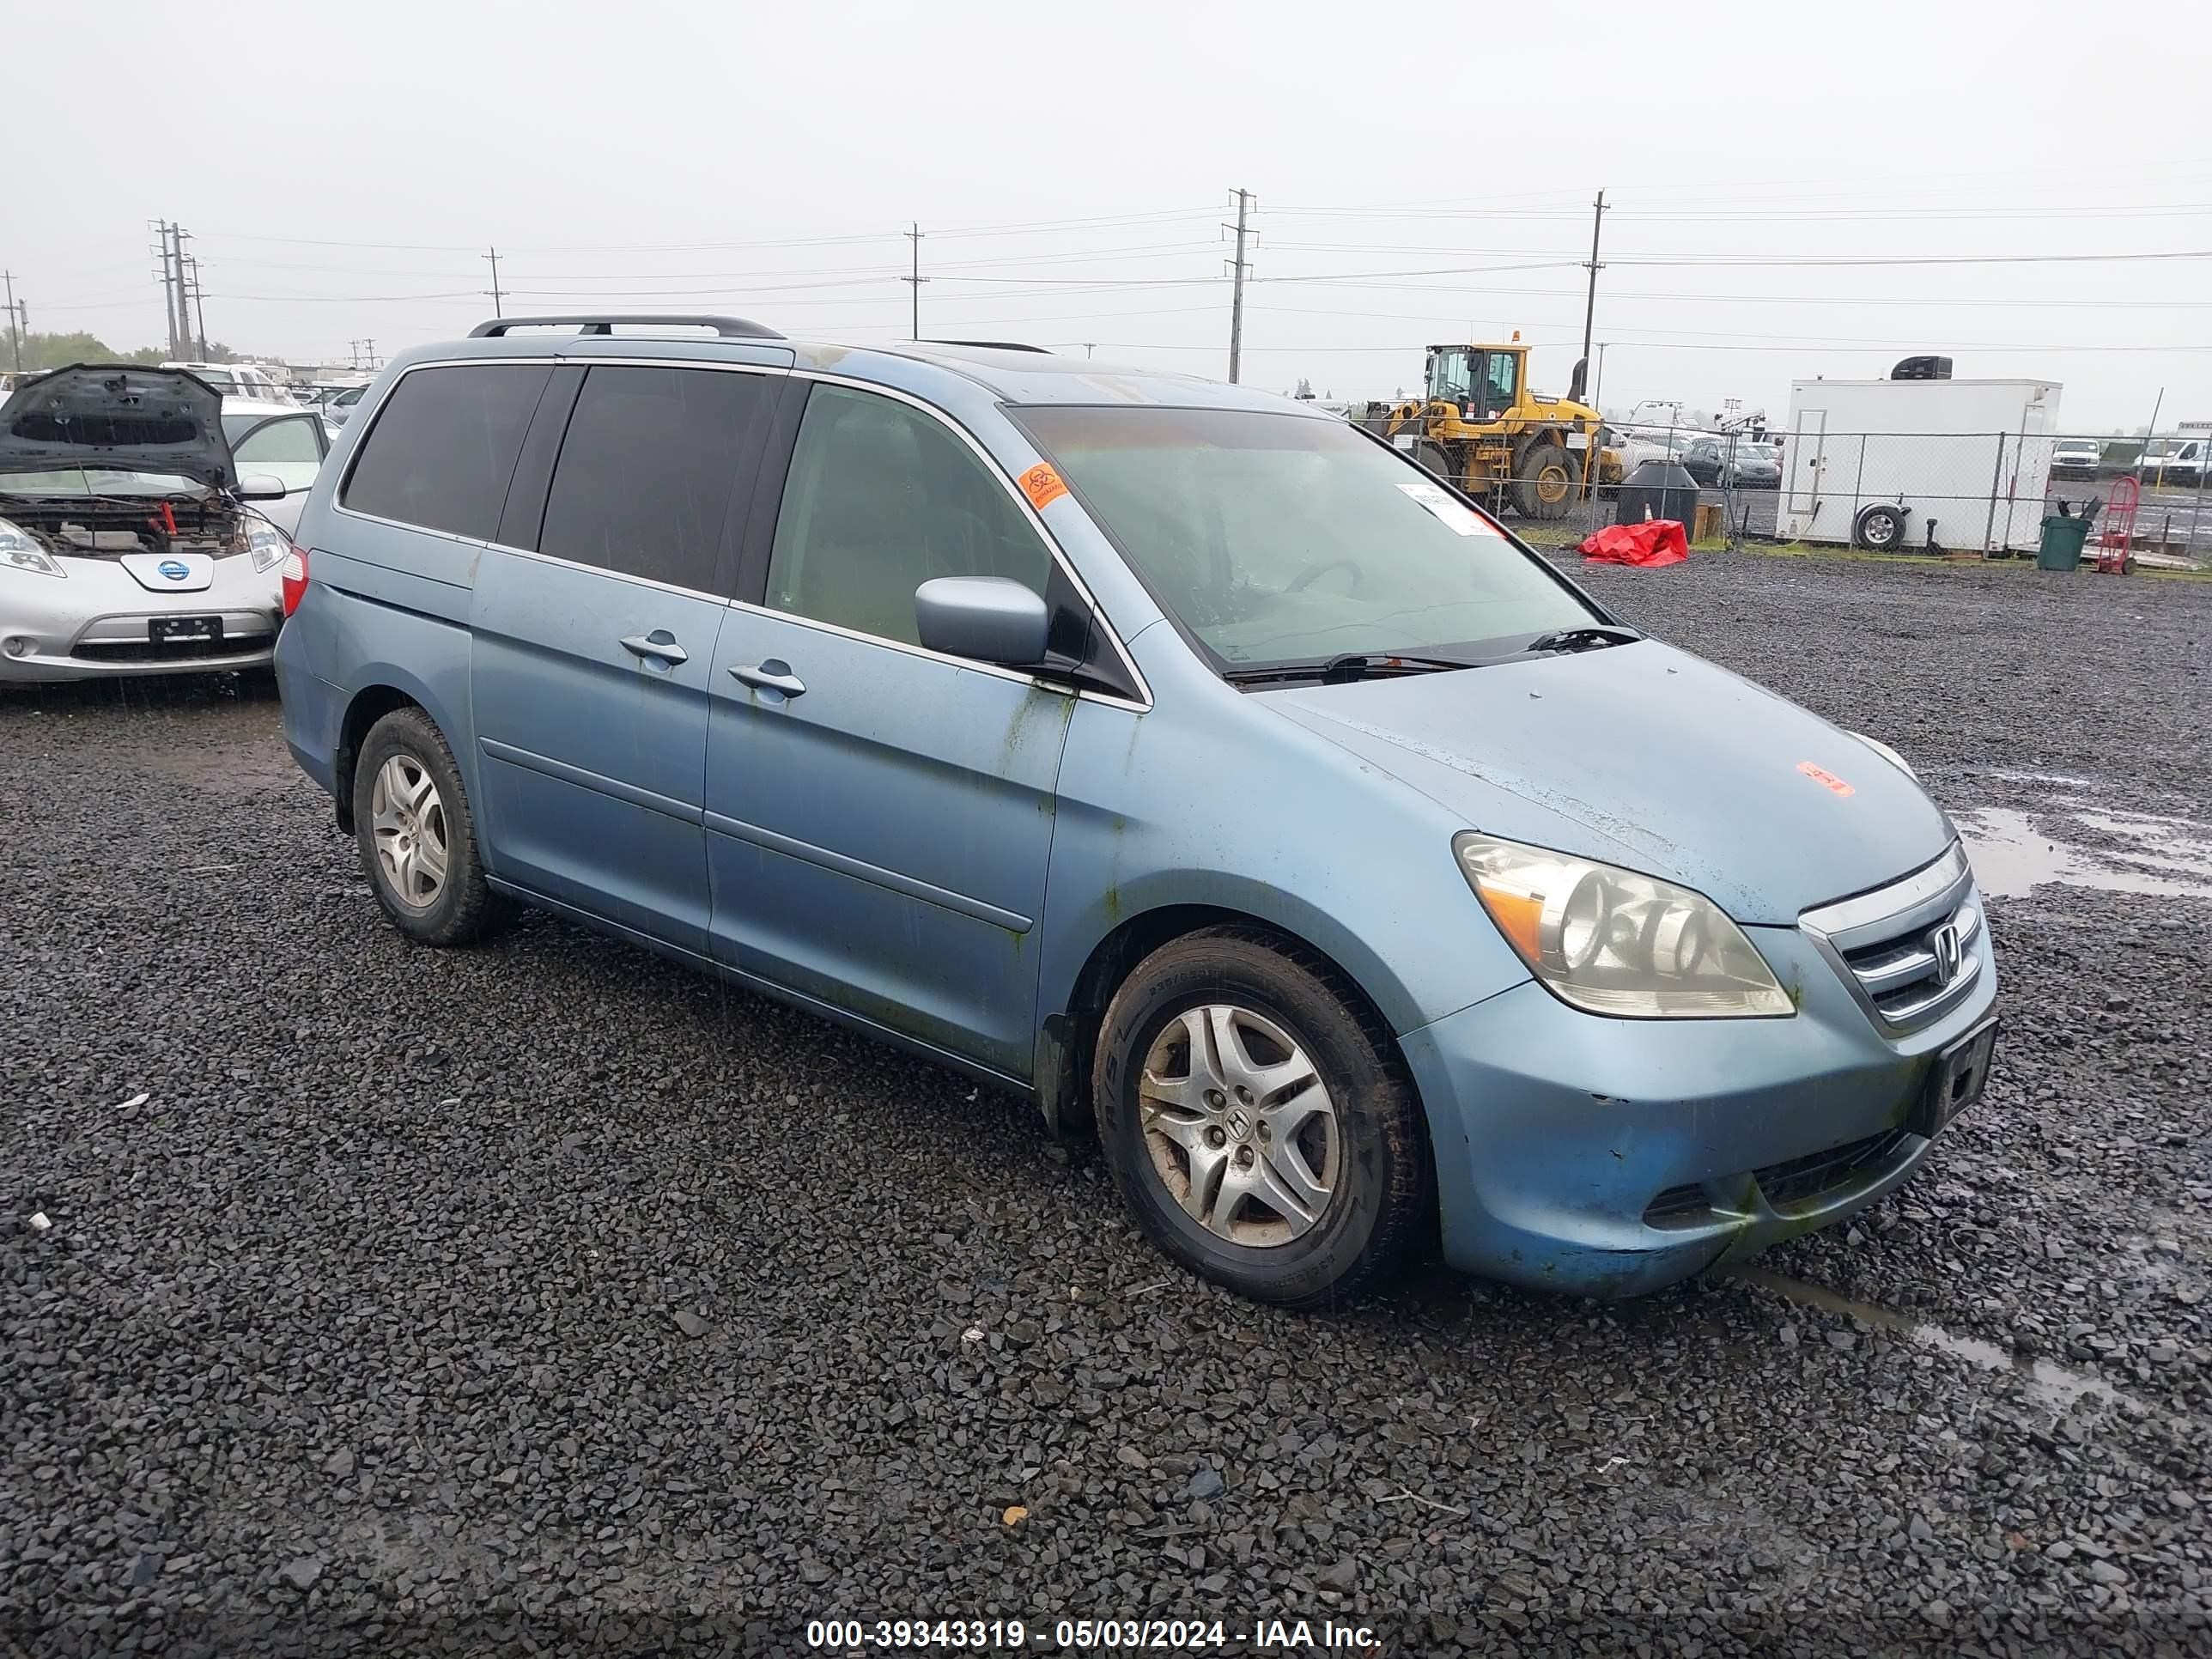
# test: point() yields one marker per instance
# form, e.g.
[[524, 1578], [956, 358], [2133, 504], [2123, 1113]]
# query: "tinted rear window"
[[444, 446], [646, 469]]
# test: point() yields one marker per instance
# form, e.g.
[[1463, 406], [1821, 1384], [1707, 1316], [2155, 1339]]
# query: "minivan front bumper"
[[1611, 1156]]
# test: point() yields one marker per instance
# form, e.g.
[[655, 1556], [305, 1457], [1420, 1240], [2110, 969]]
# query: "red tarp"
[[1655, 541]]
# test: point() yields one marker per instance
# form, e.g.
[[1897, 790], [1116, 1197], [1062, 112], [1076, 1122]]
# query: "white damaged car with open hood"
[[129, 544]]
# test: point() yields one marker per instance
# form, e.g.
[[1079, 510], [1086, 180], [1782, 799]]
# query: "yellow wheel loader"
[[1480, 427]]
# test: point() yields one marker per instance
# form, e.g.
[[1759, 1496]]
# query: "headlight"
[[266, 545], [1888, 754], [18, 552], [1613, 942]]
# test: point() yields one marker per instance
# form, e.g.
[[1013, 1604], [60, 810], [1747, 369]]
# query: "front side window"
[[880, 499], [1287, 538], [1451, 376], [444, 446], [647, 468], [287, 447]]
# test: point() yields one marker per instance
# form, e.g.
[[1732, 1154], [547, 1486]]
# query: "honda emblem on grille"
[[1944, 942]]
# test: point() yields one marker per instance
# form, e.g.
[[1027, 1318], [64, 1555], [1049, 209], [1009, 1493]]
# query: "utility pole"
[[199, 305], [178, 237], [161, 229], [370, 346], [15, 340], [1089, 348], [1590, 310], [496, 309], [916, 279], [1244, 201]]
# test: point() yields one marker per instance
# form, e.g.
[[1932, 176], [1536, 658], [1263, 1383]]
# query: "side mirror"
[[991, 619], [261, 487]]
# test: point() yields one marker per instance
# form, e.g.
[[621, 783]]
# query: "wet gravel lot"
[[547, 1298]]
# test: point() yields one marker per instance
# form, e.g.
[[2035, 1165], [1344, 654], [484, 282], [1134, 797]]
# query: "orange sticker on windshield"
[[1042, 486], [1823, 776]]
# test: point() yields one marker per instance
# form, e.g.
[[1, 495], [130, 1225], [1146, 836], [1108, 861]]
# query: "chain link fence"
[[1940, 494]]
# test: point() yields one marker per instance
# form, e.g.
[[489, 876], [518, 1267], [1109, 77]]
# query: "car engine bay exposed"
[[92, 527]]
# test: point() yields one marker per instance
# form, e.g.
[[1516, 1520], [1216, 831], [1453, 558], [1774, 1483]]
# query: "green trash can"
[[2061, 549]]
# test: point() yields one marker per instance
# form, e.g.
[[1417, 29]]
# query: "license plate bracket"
[[179, 630], [1960, 1073]]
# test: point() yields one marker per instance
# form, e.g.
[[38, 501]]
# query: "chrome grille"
[[1909, 950]]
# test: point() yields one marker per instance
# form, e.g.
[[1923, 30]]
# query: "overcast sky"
[[1423, 172]]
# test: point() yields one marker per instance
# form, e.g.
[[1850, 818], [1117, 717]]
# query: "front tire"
[[417, 835], [1258, 1121]]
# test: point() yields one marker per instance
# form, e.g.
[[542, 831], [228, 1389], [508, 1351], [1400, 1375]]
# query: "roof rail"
[[992, 345], [728, 327]]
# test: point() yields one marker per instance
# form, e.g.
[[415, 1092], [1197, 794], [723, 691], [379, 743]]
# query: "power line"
[[1019, 226]]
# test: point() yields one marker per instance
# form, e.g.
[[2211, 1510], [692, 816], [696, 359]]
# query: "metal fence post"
[[1996, 479], [1858, 481], [1722, 482], [2196, 507]]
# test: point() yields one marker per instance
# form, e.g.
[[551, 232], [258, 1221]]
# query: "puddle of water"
[[2038, 777], [2052, 1385], [2012, 856]]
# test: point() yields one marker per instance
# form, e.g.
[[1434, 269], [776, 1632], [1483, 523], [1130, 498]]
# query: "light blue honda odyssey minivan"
[[1177, 753]]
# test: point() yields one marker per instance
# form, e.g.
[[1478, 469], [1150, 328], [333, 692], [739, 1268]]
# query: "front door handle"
[[659, 643], [769, 676]]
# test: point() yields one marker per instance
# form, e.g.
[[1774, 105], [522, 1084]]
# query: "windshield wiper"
[[1338, 670], [1590, 638]]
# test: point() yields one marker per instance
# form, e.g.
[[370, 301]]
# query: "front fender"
[[1216, 799]]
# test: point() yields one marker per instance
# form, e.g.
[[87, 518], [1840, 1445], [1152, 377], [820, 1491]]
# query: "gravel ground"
[[547, 1296]]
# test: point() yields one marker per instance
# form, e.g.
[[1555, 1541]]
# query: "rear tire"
[[1546, 481], [1258, 1121], [416, 833]]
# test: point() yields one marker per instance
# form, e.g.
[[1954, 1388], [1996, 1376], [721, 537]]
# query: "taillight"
[[294, 573]]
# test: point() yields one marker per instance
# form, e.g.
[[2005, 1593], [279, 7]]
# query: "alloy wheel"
[[408, 820], [1241, 1131]]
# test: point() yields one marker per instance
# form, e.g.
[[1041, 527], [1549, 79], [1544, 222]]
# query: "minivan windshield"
[[1289, 538]]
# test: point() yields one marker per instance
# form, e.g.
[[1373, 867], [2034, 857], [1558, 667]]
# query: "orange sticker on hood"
[[1042, 486], [1821, 775]]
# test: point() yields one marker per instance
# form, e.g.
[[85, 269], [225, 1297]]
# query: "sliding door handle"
[[659, 643], [769, 676]]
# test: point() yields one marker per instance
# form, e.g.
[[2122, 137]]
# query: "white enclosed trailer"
[[1974, 456]]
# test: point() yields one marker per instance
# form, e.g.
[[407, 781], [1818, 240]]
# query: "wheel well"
[[369, 706], [1071, 1035]]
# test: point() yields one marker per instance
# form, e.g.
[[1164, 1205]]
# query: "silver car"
[[128, 542]]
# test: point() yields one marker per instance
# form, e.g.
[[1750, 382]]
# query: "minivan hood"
[[1643, 756], [116, 416]]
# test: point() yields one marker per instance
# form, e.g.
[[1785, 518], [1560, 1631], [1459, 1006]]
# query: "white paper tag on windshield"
[[1433, 497]]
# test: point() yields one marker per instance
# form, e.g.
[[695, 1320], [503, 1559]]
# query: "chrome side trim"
[[603, 574], [545, 766], [1053, 548], [807, 852]]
